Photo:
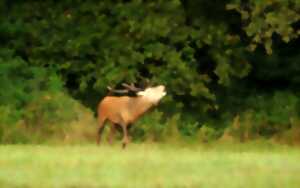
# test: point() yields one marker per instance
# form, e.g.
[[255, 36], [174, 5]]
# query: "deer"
[[123, 111]]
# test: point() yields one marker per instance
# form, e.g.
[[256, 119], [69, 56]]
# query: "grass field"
[[148, 165]]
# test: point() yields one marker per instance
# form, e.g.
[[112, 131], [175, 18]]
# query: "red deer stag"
[[125, 110]]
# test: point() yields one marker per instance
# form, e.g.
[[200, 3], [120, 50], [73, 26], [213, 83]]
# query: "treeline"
[[231, 68]]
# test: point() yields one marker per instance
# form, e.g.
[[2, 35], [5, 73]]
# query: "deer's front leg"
[[125, 140], [111, 133]]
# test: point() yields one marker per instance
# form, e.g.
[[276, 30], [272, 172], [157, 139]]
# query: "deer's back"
[[113, 107]]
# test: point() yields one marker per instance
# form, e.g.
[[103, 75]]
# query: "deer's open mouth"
[[164, 92]]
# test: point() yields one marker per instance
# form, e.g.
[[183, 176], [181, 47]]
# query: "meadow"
[[150, 165]]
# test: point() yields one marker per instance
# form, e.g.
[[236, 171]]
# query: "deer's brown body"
[[124, 111]]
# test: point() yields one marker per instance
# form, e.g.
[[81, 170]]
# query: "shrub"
[[48, 109], [33, 104], [10, 130], [290, 136], [171, 132], [149, 127], [154, 127], [208, 133], [266, 116]]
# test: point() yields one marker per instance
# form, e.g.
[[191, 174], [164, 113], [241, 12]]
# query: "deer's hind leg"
[[125, 140]]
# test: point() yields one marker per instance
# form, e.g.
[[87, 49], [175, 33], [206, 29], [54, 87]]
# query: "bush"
[[48, 109], [11, 131], [266, 116], [290, 136], [148, 127], [208, 133], [56, 118], [33, 104], [154, 127]]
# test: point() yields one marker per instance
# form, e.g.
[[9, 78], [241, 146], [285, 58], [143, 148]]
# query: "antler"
[[131, 87], [117, 90], [128, 87]]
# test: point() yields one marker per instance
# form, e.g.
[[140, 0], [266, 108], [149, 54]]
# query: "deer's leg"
[[125, 140], [111, 133], [101, 124]]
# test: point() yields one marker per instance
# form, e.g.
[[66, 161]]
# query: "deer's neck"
[[139, 106]]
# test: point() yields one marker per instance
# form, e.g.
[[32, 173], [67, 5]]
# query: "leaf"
[[232, 7], [268, 46], [222, 70]]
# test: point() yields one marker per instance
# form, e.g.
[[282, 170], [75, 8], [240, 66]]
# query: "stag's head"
[[153, 94]]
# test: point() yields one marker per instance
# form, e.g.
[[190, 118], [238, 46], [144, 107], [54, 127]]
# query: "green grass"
[[147, 165]]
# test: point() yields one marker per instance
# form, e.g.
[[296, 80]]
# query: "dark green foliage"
[[263, 115], [99, 44], [208, 134], [31, 101], [20, 82], [264, 19]]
